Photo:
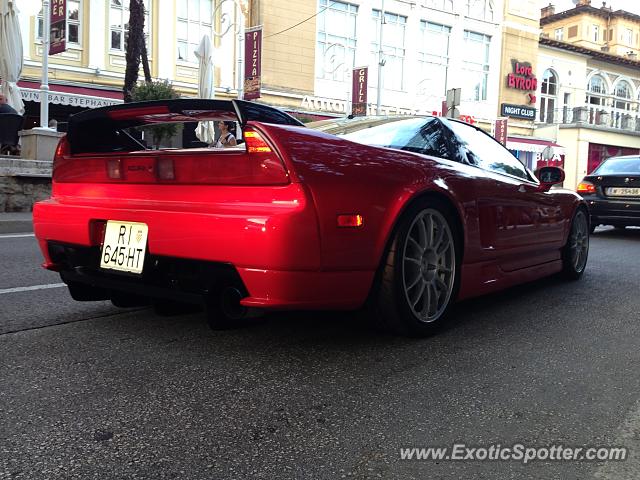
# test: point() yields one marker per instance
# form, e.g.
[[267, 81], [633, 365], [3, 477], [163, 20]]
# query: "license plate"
[[623, 191], [124, 246]]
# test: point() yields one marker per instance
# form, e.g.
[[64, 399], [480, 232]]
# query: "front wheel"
[[576, 251], [420, 278]]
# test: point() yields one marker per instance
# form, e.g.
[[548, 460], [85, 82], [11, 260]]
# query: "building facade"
[[589, 94]]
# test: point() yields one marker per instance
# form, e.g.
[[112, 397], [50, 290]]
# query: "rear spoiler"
[[100, 129]]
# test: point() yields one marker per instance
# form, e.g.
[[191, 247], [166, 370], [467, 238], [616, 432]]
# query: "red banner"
[[359, 91], [252, 61], [58, 30], [500, 133]]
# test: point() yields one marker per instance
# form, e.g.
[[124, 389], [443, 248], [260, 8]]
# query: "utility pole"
[[381, 60]]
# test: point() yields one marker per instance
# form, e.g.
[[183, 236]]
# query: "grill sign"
[[359, 91]]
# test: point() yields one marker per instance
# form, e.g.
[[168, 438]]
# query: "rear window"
[[619, 166]]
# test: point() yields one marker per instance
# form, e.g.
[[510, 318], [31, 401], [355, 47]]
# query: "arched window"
[[596, 98], [621, 104], [548, 97], [480, 9]]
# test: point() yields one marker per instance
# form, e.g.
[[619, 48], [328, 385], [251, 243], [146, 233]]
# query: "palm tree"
[[136, 49]]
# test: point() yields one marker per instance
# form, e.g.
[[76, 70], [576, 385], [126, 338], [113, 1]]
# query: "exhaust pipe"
[[231, 308]]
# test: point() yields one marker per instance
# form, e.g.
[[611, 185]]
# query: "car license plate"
[[124, 246], [623, 191]]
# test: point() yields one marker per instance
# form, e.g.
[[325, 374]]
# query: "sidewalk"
[[20, 222]]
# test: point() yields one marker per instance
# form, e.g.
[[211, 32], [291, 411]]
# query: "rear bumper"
[[618, 212], [274, 255]]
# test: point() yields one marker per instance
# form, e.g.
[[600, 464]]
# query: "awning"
[[81, 97], [530, 144]]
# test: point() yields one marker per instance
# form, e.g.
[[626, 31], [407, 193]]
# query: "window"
[[336, 48], [549, 92], [480, 9], [596, 33], [628, 37], [433, 58], [420, 135], [119, 24], [476, 66], [573, 31], [596, 98], [73, 22], [446, 5], [475, 147], [393, 49], [194, 20], [559, 34]]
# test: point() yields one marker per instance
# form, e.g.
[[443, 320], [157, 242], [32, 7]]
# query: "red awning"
[[530, 144], [88, 91]]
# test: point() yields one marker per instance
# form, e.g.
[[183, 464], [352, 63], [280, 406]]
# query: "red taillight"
[[114, 168], [586, 187], [165, 169], [61, 156], [255, 142]]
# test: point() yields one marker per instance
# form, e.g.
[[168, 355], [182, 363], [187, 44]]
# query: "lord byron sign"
[[522, 78], [252, 63], [359, 91]]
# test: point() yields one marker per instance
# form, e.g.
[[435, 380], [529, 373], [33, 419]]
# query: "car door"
[[516, 220]]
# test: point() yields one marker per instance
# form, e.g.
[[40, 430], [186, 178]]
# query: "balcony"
[[595, 116]]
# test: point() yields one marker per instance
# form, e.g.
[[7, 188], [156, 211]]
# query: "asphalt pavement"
[[91, 391]]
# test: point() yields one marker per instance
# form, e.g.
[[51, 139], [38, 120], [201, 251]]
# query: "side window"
[[474, 147]]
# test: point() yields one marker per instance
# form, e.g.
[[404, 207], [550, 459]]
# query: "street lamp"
[[226, 24], [32, 8]]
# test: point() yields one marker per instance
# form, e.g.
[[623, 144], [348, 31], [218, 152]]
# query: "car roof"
[[348, 124]]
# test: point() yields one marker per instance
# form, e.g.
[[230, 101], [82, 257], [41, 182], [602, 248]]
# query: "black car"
[[612, 192]]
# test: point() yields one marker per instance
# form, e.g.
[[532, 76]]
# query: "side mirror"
[[549, 176]]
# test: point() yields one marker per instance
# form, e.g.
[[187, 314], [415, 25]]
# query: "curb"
[[20, 223]]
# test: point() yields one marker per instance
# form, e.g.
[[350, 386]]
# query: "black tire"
[[619, 227], [420, 275], [576, 251], [592, 228]]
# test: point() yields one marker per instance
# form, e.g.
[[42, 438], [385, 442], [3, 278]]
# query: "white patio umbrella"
[[10, 54], [205, 131]]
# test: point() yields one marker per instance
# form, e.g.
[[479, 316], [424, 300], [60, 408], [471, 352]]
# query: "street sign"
[[500, 130]]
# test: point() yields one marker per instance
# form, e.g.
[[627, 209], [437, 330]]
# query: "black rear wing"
[[103, 129]]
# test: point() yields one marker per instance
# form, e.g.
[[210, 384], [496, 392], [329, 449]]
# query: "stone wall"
[[22, 183]]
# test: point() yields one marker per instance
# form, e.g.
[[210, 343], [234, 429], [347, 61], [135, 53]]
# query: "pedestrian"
[[226, 138], [4, 106]]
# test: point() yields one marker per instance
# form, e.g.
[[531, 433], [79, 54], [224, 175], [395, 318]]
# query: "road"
[[91, 391]]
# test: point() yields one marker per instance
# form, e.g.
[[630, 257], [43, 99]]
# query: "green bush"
[[156, 90]]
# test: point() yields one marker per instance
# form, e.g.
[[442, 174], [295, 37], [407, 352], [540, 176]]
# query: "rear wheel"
[[576, 251], [420, 277]]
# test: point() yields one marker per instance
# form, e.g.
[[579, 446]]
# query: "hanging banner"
[[252, 61], [359, 91], [58, 31], [500, 132]]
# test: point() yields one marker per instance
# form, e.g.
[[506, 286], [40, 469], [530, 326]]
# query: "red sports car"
[[404, 215]]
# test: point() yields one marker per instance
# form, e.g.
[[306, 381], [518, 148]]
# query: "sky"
[[632, 6]]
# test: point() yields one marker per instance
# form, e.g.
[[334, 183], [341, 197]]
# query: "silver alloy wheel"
[[429, 265], [579, 242]]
